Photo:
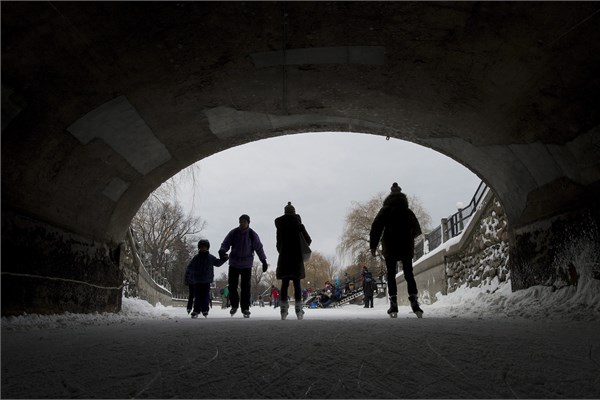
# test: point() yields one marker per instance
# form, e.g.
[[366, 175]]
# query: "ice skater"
[[290, 265], [243, 242], [399, 226], [199, 274]]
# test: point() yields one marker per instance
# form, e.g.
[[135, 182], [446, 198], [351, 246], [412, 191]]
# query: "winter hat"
[[395, 188], [204, 242], [244, 217], [289, 209]]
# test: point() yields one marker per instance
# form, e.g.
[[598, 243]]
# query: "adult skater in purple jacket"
[[243, 242]]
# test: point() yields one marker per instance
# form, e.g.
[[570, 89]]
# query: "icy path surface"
[[463, 348]]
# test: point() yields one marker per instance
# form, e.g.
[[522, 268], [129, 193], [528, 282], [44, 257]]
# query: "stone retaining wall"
[[483, 255]]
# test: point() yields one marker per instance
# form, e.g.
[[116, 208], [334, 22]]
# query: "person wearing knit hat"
[[399, 227], [290, 264], [289, 209], [396, 196], [199, 274], [243, 242]]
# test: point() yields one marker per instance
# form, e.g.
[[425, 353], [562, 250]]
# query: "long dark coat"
[[289, 263], [399, 226]]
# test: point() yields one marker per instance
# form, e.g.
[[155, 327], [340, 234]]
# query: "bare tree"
[[270, 279], [355, 239], [177, 258], [334, 268], [164, 232], [259, 280], [318, 270]]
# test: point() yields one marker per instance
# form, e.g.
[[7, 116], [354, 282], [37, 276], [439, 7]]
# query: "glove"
[[265, 266], [223, 255]]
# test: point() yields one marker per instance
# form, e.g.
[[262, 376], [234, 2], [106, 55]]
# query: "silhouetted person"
[[290, 264], [243, 242], [399, 226]]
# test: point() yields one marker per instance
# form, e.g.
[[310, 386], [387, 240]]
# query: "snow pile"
[[581, 303], [132, 309]]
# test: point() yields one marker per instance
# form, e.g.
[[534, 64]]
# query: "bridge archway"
[[102, 102]]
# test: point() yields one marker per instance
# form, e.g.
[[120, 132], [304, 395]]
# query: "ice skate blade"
[[394, 315], [246, 315]]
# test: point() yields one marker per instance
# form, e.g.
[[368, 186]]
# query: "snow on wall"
[[484, 261]]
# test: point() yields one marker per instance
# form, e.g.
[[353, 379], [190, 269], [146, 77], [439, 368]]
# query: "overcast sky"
[[321, 174]]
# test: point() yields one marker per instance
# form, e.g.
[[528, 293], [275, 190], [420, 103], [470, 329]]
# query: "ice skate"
[[233, 311], [246, 313], [393, 310], [194, 315], [284, 310], [414, 304], [299, 310], [205, 314]]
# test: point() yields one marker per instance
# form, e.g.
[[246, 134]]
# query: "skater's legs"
[[190, 303], [299, 305], [203, 297], [391, 266], [196, 291], [246, 274], [407, 267], [285, 283], [233, 281], [297, 290]]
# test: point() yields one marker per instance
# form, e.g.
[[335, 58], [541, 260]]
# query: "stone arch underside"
[[102, 102]]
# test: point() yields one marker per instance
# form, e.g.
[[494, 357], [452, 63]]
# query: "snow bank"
[[537, 302], [132, 309]]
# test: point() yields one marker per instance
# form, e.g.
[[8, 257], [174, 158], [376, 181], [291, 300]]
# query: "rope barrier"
[[63, 279]]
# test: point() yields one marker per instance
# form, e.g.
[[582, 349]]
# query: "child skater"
[[199, 274]]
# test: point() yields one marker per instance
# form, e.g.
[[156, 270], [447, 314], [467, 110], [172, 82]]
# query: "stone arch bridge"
[[104, 101]]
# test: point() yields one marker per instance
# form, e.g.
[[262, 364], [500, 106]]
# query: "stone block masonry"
[[484, 254]]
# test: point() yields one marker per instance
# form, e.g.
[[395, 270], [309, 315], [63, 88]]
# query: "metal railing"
[[451, 226], [457, 221]]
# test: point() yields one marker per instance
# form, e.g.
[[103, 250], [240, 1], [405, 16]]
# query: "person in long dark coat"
[[290, 266], [399, 226]]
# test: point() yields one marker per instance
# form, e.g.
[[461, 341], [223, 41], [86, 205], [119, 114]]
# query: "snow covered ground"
[[535, 343]]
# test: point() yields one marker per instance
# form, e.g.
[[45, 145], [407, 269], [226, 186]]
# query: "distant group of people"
[[395, 221]]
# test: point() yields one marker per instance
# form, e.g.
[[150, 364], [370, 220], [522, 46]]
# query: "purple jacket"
[[243, 244]]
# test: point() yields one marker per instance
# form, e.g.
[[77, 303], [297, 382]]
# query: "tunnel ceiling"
[[103, 101]]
